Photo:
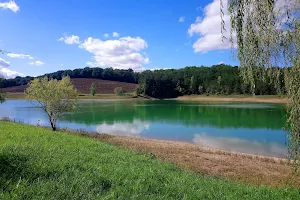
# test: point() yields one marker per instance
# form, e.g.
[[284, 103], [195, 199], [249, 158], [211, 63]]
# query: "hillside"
[[84, 84]]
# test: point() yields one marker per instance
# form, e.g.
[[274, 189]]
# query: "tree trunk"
[[53, 125]]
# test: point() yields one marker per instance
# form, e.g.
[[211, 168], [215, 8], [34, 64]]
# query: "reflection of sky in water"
[[125, 129], [256, 140], [240, 145]]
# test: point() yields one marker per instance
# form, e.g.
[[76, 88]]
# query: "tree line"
[[217, 79]]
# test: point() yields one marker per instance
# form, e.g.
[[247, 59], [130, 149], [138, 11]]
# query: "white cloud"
[[4, 63], [61, 64], [10, 5], [220, 63], [157, 68], [122, 53], [106, 35], [38, 62], [73, 39], [5, 72], [181, 19], [15, 55], [115, 34], [209, 29]]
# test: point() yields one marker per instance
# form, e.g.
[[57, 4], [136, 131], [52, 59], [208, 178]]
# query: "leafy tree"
[[93, 89], [193, 85], [2, 97], [268, 35], [53, 96], [200, 89], [119, 91]]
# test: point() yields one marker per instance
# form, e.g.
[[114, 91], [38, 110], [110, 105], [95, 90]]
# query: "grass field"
[[36, 163]]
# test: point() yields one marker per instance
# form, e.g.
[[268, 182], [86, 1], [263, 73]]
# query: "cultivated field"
[[83, 85]]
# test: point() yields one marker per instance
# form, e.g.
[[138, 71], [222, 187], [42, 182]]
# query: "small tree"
[[193, 85], [93, 89], [53, 96], [200, 89], [119, 91], [2, 97]]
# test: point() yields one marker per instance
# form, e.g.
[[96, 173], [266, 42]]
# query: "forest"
[[217, 79]]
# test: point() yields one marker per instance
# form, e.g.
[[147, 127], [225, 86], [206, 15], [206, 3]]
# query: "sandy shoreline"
[[256, 99], [229, 98], [253, 169]]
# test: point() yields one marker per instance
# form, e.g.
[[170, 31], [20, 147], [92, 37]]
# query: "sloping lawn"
[[36, 163]]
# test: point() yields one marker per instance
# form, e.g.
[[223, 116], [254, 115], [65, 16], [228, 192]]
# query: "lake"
[[240, 127]]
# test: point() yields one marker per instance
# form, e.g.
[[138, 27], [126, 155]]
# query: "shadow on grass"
[[12, 169], [15, 170]]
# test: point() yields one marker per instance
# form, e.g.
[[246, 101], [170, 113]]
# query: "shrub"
[[119, 91]]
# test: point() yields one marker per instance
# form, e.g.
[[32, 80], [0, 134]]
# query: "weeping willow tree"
[[266, 34], [2, 95]]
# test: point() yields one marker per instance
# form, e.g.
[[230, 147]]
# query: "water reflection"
[[241, 145], [124, 129]]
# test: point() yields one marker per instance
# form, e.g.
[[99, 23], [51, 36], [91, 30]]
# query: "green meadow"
[[36, 163]]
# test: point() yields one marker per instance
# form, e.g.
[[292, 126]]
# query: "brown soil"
[[245, 168], [263, 99], [83, 85]]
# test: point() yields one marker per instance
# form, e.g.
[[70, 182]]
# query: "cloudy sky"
[[50, 35]]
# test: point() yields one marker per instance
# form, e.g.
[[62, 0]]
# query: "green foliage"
[[218, 79], [193, 85], [294, 113], [2, 97], [53, 96], [268, 36], [140, 90], [93, 89], [119, 91], [35, 163]]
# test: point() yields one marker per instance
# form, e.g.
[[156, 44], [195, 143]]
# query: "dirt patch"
[[245, 168], [264, 99]]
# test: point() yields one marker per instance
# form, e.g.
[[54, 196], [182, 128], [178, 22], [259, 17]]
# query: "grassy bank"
[[239, 167], [36, 163]]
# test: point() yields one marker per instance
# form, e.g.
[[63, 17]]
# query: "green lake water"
[[240, 127]]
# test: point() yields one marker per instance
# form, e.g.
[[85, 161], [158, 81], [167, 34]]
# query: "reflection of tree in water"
[[224, 115]]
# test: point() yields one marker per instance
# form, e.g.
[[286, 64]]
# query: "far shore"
[[236, 98], [203, 98]]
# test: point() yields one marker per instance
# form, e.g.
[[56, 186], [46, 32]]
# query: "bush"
[[2, 97], [119, 91], [93, 89]]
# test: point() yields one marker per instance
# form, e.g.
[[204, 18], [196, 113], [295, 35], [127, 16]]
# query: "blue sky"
[[50, 35]]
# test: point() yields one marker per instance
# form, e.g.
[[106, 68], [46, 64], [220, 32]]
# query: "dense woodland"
[[217, 79]]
